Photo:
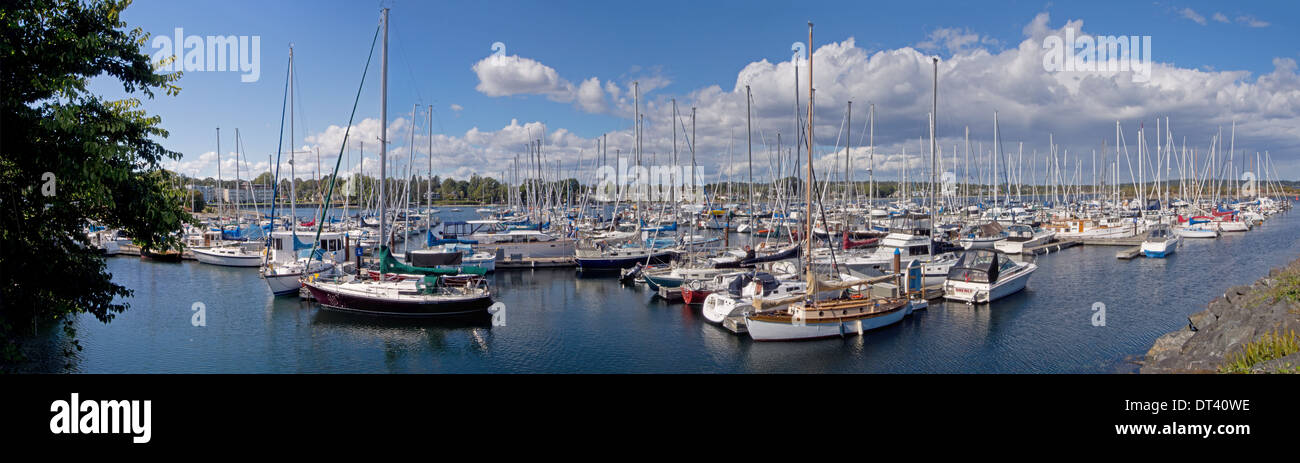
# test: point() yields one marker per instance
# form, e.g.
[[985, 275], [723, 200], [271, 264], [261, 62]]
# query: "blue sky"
[[687, 45]]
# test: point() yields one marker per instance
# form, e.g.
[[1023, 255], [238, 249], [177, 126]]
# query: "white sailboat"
[[803, 316]]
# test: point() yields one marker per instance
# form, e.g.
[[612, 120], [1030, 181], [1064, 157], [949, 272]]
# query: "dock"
[[671, 294], [1129, 253], [1051, 247], [536, 262], [1130, 241]]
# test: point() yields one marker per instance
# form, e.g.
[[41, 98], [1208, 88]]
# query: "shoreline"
[[1242, 331]]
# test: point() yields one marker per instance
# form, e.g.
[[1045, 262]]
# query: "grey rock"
[[1200, 320]]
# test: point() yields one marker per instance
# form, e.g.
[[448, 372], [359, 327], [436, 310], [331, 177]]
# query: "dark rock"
[[1199, 320], [1228, 323], [1235, 293]]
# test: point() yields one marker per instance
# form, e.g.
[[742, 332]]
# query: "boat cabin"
[[981, 266]]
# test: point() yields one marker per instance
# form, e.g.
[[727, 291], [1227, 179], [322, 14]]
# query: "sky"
[[566, 69]]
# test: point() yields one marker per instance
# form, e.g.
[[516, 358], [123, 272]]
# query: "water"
[[557, 321]]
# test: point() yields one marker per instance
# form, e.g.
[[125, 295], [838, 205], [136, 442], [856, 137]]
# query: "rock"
[[1201, 320], [1235, 293], [1219, 306], [1226, 325], [1163, 355], [1287, 364]]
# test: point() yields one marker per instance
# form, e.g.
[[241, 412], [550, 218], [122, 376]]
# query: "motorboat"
[[984, 275]]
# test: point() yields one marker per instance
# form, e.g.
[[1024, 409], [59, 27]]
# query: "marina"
[[779, 229], [596, 324]]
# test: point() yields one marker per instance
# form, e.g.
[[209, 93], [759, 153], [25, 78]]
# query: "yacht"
[[1161, 241], [984, 275], [1021, 237]]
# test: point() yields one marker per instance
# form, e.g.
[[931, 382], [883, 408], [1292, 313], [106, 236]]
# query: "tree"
[[69, 158]]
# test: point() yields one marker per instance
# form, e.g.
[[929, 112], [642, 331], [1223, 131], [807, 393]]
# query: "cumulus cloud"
[[1078, 110], [1220, 17], [501, 75], [591, 98]]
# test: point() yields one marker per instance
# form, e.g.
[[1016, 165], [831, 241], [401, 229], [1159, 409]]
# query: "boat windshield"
[[979, 266]]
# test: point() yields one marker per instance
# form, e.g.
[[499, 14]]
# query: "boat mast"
[[934, 146], [749, 135], [383, 130], [871, 188], [808, 190], [221, 203], [293, 176]]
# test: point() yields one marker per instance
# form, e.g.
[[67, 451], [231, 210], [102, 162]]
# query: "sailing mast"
[[383, 132], [934, 146], [812, 281], [221, 203]]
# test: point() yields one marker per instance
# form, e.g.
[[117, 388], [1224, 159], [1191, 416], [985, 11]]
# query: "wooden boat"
[[170, 255], [809, 318]]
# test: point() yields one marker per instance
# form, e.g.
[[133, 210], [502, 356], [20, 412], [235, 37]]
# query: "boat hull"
[[352, 303], [617, 263], [208, 257], [982, 293], [761, 330], [283, 285]]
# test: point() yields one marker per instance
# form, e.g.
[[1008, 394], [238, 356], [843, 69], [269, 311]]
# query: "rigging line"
[[410, 73], [302, 111], [329, 194]]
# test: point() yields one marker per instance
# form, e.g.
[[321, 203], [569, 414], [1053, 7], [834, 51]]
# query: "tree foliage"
[[103, 155]]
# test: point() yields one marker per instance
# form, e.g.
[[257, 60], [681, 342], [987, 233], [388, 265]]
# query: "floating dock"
[[1051, 247], [1130, 241], [1129, 253]]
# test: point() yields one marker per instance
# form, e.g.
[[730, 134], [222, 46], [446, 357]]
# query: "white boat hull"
[[227, 260], [982, 293], [772, 331], [280, 285], [1198, 233], [1160, 248]]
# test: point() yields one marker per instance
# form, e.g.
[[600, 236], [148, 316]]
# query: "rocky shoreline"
[[1241, 316]]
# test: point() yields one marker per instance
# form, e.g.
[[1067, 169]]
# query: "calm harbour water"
[[560, 322]]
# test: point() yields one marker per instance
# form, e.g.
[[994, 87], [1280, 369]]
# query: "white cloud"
[[1252, 21], [501, 75], [457, 108], [952, 39], [1193, 15], [1220, 17], [591, 98], [1078, 109]]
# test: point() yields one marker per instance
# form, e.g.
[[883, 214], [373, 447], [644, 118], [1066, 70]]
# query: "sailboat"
[[805, 317], [235, 254], [430, 296]]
